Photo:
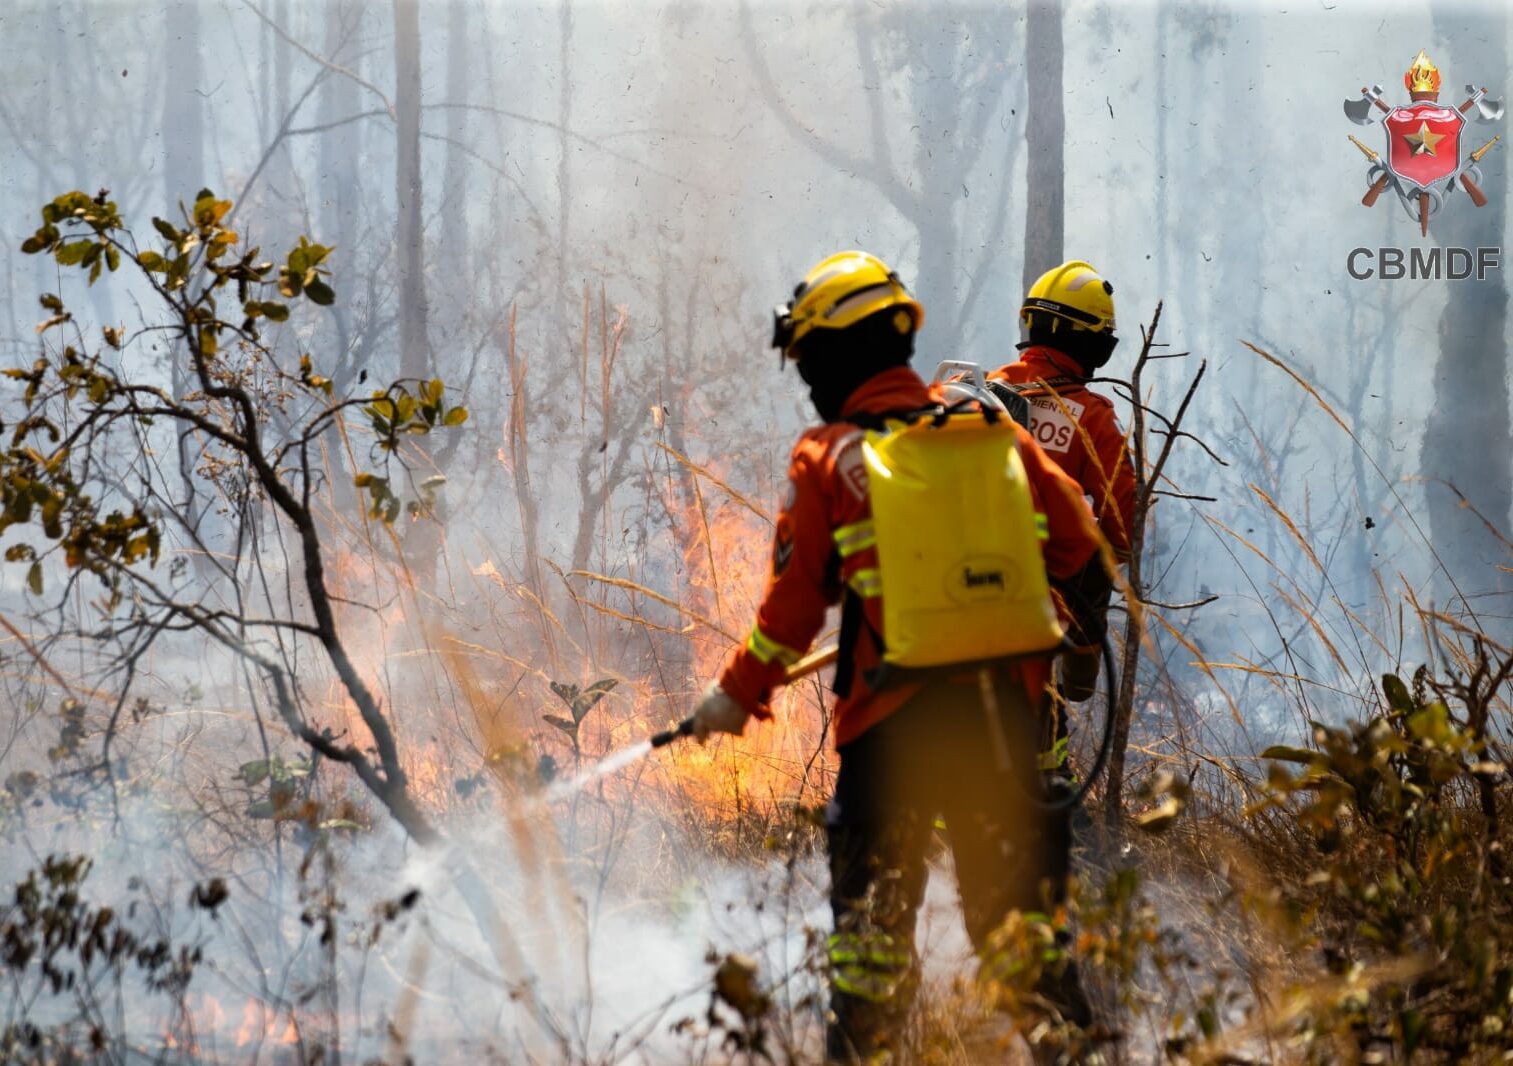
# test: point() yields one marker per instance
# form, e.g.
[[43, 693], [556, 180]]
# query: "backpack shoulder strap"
[[877, 421], [1032, 388]]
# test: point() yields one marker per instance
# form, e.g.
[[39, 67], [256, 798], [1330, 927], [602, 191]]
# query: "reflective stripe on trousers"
[[870, 966]]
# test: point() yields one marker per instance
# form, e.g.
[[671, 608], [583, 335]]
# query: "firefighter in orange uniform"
[[1069, 313], [912, 751]]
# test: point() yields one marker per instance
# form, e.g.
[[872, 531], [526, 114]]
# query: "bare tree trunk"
[[339, 181], [281, 62], [183, 176], [1045, 139], [564, 174], [279, 183], [1468, 424], [183, 107], [422, 541], [454, 195], [938, 177], [1163, 109], [339, 177], [414, 345]]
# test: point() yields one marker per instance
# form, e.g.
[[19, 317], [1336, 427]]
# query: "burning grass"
[[1344, 899]]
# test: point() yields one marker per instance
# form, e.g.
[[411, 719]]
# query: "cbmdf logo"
[[1427, 154]]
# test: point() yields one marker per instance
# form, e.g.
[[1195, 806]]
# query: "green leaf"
[[151, 261], [274, 311], [253, 772], [320, 293], [74, 252], [208, 211], [1161, 817], [1286, 753], [167, 230], [1412, 1023], [52, 518], [1432, 724], [585, 700], [34, 579], [456, 416], [1397, 694]]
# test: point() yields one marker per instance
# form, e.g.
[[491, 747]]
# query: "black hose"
[[1075, 797]]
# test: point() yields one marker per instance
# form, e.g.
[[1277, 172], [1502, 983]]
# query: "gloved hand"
[[718, 712]]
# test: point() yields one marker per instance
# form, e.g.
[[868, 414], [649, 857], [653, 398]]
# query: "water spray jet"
[[627, 756]]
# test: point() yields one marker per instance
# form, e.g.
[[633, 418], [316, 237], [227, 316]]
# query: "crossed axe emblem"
[[1424, 198]]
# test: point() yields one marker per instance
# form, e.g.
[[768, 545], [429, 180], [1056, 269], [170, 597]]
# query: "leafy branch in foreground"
[[1406, 897], [80, 482]]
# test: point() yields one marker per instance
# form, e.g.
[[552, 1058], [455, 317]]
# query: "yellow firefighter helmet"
[[840, 291], [1073, 296]]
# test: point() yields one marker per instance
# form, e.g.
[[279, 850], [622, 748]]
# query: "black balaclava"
[[1087, 349], [834, 363]]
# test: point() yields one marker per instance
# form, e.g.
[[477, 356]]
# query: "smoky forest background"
[[390, 433]]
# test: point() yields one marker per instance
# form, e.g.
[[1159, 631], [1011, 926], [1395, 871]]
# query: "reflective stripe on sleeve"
[[766, 649], [856, 537], [866, 583]]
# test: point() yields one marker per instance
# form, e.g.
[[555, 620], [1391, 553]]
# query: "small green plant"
[[579, 702], [283, 778]]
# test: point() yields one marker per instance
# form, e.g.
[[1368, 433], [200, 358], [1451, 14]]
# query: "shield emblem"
[[1423, 144]]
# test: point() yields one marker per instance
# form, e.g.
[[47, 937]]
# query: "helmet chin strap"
[[1087, 349]]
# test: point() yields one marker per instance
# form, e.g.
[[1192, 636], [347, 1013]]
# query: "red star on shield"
[[1423, 144]]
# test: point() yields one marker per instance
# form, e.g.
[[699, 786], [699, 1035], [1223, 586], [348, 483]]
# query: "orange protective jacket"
[[1103, 470], [827, 491]]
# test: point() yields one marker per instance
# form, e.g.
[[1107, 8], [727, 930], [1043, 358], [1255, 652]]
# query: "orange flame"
[[1422, 76], [260, 1025]]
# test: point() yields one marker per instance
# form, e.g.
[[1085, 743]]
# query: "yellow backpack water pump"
[[958, 541]]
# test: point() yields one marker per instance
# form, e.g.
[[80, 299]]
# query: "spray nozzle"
[[667, 736]]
